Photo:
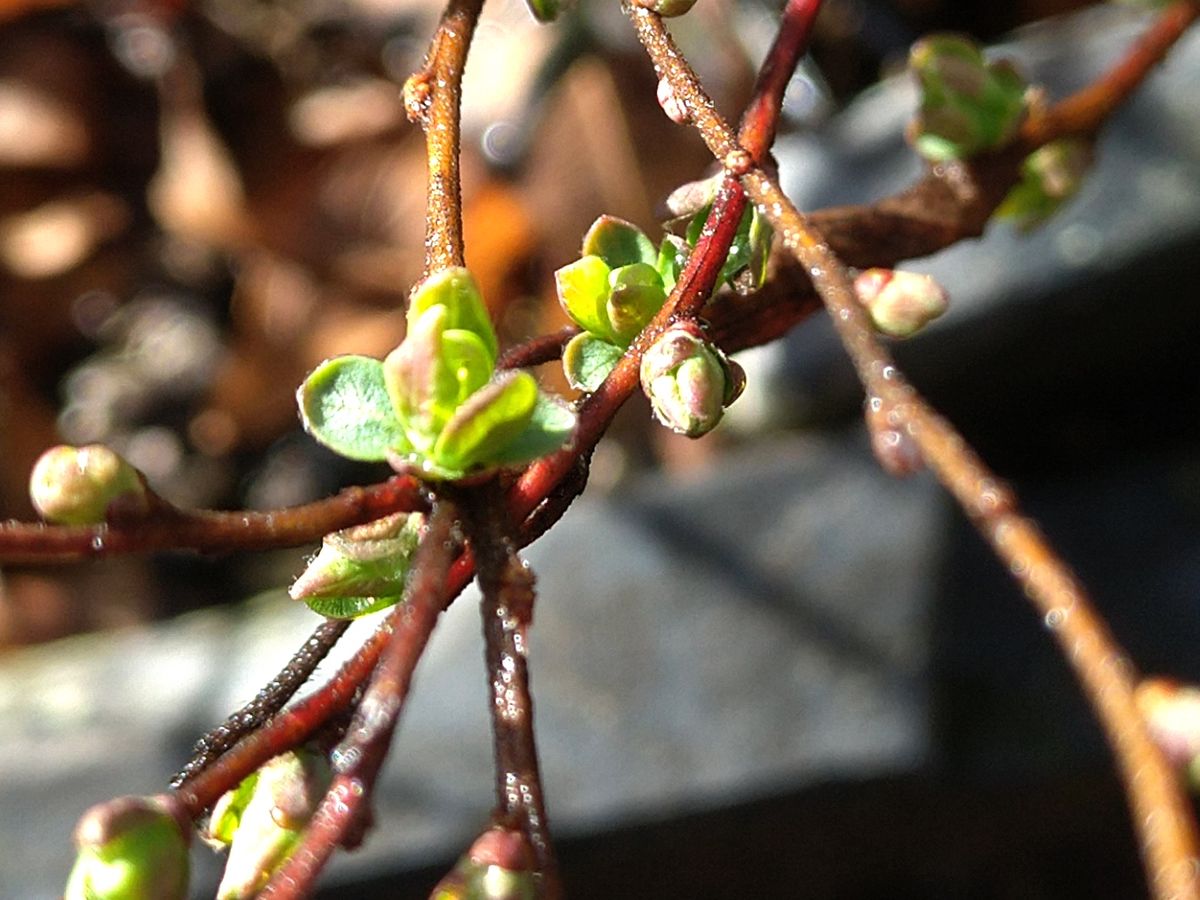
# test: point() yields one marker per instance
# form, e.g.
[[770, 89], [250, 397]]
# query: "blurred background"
[[762, 667]]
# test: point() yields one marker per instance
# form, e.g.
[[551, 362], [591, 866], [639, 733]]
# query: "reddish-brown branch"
[[761, 117], [507, 610], [1161, 814], [699, 276], [342, 815], [208, 531], [538, 350], [431, 98], [1088, 109], [267, 702]]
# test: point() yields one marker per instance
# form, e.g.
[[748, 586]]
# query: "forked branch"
[[1161, 814]]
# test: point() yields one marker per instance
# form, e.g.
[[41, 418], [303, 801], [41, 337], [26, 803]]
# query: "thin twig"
[[535, 351], [266, 702], [431, 98], [343, 814], [507, 609], [208, 531], [1084, 112], [1161, 814], [696, 281]]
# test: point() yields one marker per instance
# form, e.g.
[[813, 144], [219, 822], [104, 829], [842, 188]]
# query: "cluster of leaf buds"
[[968, 105], [130, 848], [262, 820], [499, 866], [1172, 714], [745, 267], [78, 485], [689, 381], [612, 291], [1050, 176], [361, 570], [436, 404], [900, 303], [621, 280]]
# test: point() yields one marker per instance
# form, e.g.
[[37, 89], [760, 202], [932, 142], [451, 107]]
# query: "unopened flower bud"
[[131, 848], [689, 381], [667, 8], [900, 303], [265, 827], [76, 485], [968, 105], [499, 866], [1172, 714]]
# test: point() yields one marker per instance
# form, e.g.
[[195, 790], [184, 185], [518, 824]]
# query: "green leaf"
[[227, 812], [344, 405], [968, 105], [432, 373], [745, 268], [456, 290], [490, 419], [550, 427], [618, 243], [671, 257], [582, 292], [544, 10], [636, 294], [349, 607], [1050, 176], [587, 360]]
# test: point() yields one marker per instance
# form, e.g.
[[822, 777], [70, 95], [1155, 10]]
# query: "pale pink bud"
[[900, 303]]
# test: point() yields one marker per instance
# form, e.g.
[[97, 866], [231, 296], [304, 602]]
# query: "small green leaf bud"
[[968, 105], [1050, 176], [76, 485], [667, 8], [499, 866], [689, 381], [284, 794], [366, 564], [900, 303], [130, 848], [456, 290]]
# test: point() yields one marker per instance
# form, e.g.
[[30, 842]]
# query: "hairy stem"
[[507, 610], [699, 276], [343, 815], [266, 702], [431, 98], [1084, 112], [1161, 814], [208, 531]]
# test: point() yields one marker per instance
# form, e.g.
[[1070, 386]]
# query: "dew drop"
[[1056, 617]]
